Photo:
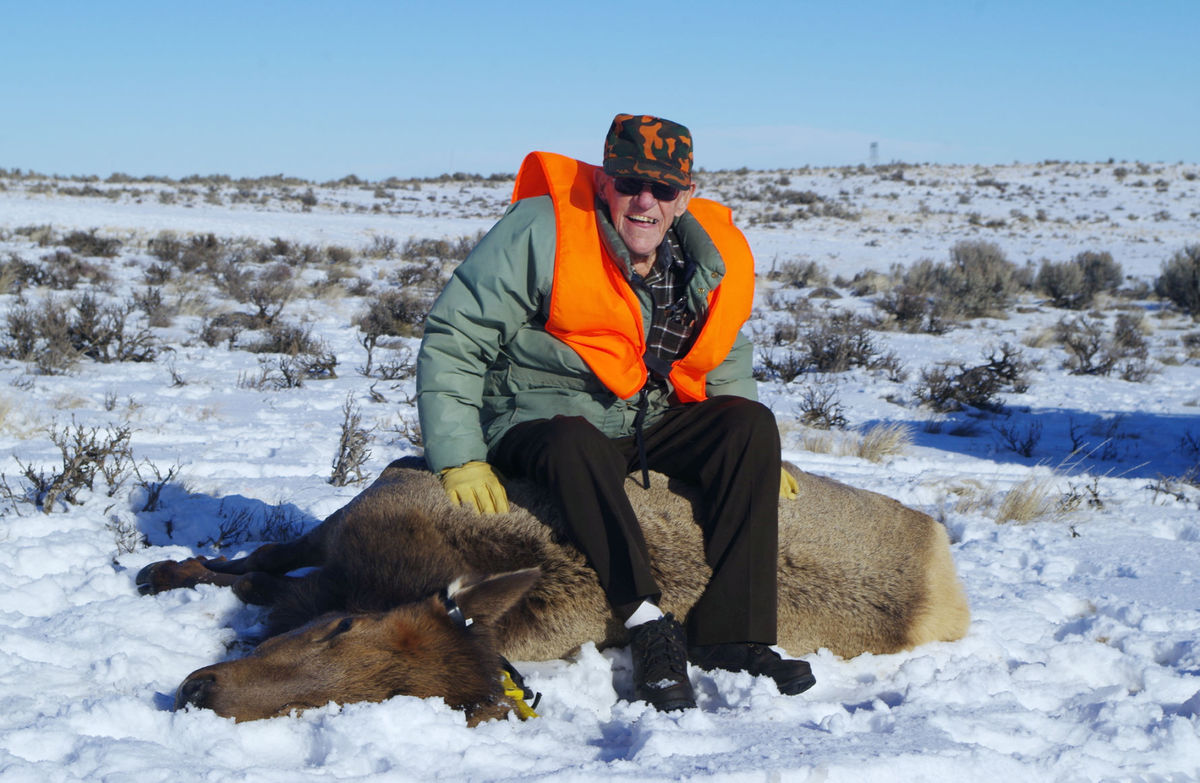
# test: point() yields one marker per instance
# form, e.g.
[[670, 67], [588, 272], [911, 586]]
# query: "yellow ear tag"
[[517, 696]]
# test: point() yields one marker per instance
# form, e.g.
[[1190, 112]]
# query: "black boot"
[[791, 676], [659, 652]]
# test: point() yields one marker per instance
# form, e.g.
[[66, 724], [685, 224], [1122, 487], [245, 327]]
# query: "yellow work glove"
[[477, 486], [789, 488]]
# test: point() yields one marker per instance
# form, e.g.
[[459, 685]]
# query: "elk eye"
[[343, 625]]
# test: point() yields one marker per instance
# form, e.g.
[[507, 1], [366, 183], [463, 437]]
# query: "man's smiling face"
[[641, 220]]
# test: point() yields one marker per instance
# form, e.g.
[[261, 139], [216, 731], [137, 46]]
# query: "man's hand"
[[477, 486], [789, 488]]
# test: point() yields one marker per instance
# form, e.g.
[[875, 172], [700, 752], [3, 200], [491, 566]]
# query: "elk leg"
[[254, 587], [261, 588], [274, 558], [170, 574], [266, 565]]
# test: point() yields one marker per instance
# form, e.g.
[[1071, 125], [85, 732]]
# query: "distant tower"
[[874, 154]]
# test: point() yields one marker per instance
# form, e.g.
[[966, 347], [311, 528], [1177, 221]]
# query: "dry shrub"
[[783, 364], [928, 297], [288, 372], [60, 271], [279, 373], [307, 357], [439, 250], [1064, 284], [868, 282], [1180, 280], [1075, 284], [13, 274], [979, 278], [352, 452], [839, 341], [241, 523], [1129, 333], [799, 274], [1020, 439], [408, 430], [64, 270], [88, 243], [396, 313], [42, 236], [337, 255], [820, 407], [914, 310], [86, 455], [382, 247], [204, 251], [1100, 272], [224, 328], [784, 332], [267, 288], [55, 335], [158, 312], [40, 335], [1004, 369], [943, 390], [340, 280], [1091, 352], [831, 342]]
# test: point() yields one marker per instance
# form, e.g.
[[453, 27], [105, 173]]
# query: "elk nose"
[[195, 691]]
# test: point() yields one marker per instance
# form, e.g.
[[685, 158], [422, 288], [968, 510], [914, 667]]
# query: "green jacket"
[[487, 364]]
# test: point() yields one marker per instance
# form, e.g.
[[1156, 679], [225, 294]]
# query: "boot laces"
[[663, 657]]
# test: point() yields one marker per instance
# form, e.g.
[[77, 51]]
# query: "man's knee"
[[567, 435], [548, 450], [566, 445], [750, 419]]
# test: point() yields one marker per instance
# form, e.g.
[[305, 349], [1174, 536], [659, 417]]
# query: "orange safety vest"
[[594, 310]]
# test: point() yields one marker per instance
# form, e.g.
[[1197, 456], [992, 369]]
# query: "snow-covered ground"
[[1082, 660]]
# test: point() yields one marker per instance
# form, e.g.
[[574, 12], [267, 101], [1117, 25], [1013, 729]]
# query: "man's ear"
[[599, 181], [681, 203]]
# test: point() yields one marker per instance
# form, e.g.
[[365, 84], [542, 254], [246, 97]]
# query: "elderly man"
[[593, 332]]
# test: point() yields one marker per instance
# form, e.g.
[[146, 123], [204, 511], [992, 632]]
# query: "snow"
[[1081, 662]]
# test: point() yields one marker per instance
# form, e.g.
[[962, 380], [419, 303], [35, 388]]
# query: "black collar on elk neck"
[[511, 680], [454, 610]]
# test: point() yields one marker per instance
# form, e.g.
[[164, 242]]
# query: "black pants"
[[728, 447]]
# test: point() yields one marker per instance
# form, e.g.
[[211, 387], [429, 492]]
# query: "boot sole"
[[789, 687], [673, 705], [673, 699], [798, 685]]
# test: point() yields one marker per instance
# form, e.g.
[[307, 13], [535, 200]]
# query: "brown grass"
[[884, 440], [1029, 501]]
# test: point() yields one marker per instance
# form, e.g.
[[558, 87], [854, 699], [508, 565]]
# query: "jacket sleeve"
[[735, 375], [493, 293]]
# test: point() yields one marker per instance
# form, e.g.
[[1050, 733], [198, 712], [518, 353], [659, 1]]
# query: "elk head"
[[442, 646]]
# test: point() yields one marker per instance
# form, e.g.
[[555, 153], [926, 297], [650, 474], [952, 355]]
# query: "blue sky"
[[378, 89]]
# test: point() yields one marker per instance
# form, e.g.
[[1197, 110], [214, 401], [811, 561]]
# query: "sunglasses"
[[632, 186]]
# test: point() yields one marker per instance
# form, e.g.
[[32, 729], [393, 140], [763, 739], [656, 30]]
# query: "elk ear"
[[490, 598]]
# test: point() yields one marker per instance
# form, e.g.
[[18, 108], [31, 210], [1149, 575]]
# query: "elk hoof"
[[170, 574], [150, 579], [194, 691]]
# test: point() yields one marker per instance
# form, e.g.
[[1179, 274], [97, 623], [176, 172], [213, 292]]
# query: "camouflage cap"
[[649, 148]]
